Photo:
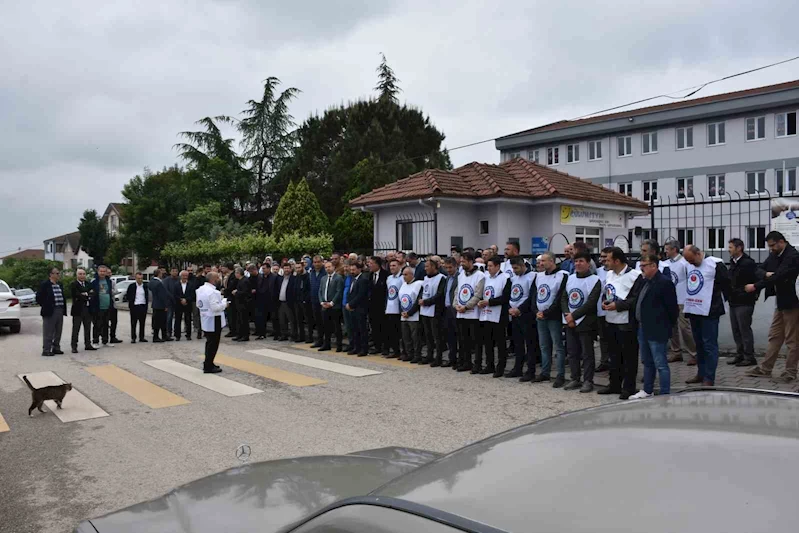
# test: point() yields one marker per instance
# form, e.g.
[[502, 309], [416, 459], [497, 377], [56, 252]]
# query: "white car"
[[9, 308], [26, 297], [121, 290]]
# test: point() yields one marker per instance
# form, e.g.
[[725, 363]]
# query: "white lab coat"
[[210, 304]]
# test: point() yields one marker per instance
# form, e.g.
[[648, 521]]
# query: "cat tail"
[[28, 383]]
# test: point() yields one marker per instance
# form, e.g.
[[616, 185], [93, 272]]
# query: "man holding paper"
[[212, 307]]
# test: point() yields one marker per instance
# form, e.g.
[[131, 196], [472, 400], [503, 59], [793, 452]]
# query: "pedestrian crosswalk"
[[379, 359], [3, 425], [338, 368], [275, 374], [75, 406], [213, 382], [137, 388]]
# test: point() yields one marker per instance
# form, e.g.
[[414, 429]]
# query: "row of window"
[[755, 184], [784, 124], [716, 238]]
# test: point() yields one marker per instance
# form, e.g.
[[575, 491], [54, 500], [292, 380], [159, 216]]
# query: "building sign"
[[785, 218], [584, 216], [540, 245]]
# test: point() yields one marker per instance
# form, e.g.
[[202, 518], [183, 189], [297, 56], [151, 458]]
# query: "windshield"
[[4, 287]]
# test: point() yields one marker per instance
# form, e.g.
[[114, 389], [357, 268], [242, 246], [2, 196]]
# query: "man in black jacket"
[[183, 296], [242, 295], [378, 292], [779, 278], [230, 286], [263, 284], [302, 305], [81, 316], [494, 333], [138, 297], [431, 305], [53, 302], [358, 303], [743, 271]]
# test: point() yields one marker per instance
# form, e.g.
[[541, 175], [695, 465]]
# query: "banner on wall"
[[785, 218], [571, 215]]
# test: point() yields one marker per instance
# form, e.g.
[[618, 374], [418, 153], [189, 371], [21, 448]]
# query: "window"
[[649, 143], [649, 234], [406, 236], [513, 155], [785, 124], [573, 153], [594, 150], [590, 236], [553, 156], [650, 190], [685, 236], [756, 238], [484, 227], [716, 134], [787, 182], [685, 138], [715, 185], [626, 188], [685, 187], [625, 145], [715, 238], [457, 242], [755, 128], [532, 155], [756, 182]]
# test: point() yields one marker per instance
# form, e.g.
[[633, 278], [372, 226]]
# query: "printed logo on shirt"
[[610, 293], [465, 294], [426, 292], [488, 292], [516, 293], [674, 278], [543, 293], [509, 272], [576, 298], [695, 282], [406, 302], [392, 292], [200, 304]]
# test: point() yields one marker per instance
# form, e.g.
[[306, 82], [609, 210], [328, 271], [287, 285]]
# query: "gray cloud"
[[91, 93]]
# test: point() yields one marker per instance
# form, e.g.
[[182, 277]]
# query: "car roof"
[[709, 460]]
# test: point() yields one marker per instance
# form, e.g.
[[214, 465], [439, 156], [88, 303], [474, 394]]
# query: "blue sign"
[[540, 245]]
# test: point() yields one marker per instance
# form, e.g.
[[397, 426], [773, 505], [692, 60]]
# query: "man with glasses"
[[52, 301]]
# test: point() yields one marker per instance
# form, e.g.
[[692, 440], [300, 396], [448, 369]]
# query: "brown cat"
[[52, 392]]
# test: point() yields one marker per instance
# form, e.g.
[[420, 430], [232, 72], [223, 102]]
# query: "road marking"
[[379, 359], [3, 425], [268, 372], [137, 388], [75, 406], [198, 377], [338, 368]]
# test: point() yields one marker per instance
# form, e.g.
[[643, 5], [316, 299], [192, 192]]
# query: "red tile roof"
[[664, 107], [517, 178], [25, 254]]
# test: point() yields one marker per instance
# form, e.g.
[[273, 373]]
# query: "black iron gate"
[[418, 232]]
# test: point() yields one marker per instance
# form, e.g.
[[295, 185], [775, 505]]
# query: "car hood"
[[264, 497]]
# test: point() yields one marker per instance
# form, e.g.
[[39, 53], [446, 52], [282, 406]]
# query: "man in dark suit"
[[272, 302], [242, 294], [286, 298], [358, 303], [378, 292], [316, 274], [417, 266], [656, 312], [184, 296], [81, 314], [52, 300], [302, 305], [743, 271], [138, 298], [263, 284], [230, 286], [161, 299], [331, 292]]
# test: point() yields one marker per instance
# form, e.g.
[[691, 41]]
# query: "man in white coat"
[[212, 307]]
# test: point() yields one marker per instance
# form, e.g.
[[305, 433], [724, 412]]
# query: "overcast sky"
[[91, 93]]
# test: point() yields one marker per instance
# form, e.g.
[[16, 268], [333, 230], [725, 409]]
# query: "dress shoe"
[[446, 364], [316, 345], [284, 339], [573, 385], [736, 360], [177, 339], [58, 352], [116, 341], [424, 361], [608, 390], [476, 370], [143, 340], [245, 339], [200, 335], [674, 358], [230, 334], [339, 349], [747, 362], [214, 370], [559, 382], [514, 374], [525, 378], [694, 380], [47, 354], [372, 351], [486, 371], [385, 353], [691, 362], [464, 368], [392, 356], [435, 364], [351, 352], [169, 339], [324, 349], [707, 383], [587, 387], [188, 337], [260, 338], [625, 395], [89, 348], [416, 360], [159, 340], [603, 367], [540, 379], [363, 354], [74, 350], [497, 374]]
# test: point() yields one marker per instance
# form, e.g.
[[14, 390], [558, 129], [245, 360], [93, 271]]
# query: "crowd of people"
[[475, 306]]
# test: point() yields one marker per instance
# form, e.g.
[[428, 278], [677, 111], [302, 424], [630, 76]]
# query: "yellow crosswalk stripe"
[[268, 372], [3, 426], [137, 388], [379, 359]]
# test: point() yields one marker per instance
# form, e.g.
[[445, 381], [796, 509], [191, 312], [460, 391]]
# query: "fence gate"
[[418, 232]]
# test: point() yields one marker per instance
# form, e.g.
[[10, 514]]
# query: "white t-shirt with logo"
[[466, 288], [408, 294], [547, 287], [392, 300], [494, 285], [577, 292]]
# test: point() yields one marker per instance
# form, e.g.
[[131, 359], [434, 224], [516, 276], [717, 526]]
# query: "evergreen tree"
[[93, 235], [299, 212], [387, 84]]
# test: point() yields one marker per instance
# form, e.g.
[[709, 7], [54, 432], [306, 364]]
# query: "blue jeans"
[[705, 331], [549, 335], [653, 356]]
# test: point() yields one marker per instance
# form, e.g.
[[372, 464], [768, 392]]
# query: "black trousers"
[[467, 332], [243, 321], [360, 338], [85, 320], [100, 326], [304, 318], [182, 313], [451, 333], [377, 320], [623, 347], [232, 324], [159, 323], [393, 333], [212, 343], [318, 324], [275, 318], [433, 337], [580, 349], [112, 319], [138, 315], [493, 335], [525, 342], [332, 324]]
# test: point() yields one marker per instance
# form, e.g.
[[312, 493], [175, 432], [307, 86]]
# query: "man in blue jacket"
[[656, 312]]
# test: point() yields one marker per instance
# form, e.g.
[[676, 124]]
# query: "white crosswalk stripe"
[[75, 406], [212, 382], [330, 366]]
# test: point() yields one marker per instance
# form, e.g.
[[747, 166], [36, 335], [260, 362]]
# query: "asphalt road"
[[55, 474]]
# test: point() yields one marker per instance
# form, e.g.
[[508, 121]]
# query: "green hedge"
[[247, 247]]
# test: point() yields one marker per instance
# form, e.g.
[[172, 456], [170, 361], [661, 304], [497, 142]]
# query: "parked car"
[[26, 297], [119, 278], [9, 309], [121, 293], [700, 460]]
